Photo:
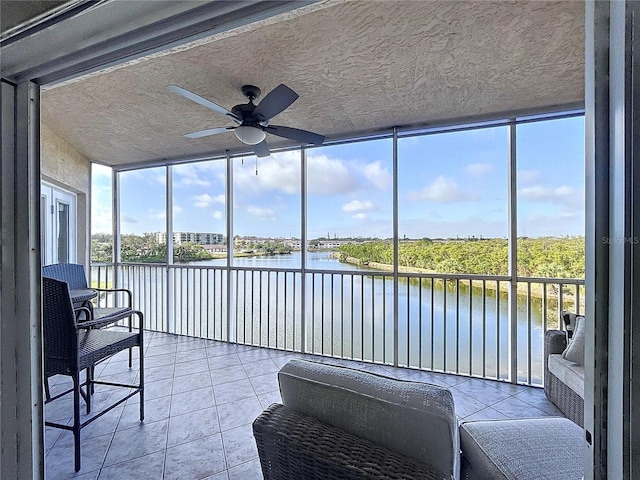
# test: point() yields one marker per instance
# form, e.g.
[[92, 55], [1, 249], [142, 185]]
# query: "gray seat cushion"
[[412, 418], [525, 449], [569, 373]]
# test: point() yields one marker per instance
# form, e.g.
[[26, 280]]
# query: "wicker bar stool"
[[70, 348], [82, 296]]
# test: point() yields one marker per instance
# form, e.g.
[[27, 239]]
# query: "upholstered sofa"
[[536, 448], [563, 379], [342, 423]]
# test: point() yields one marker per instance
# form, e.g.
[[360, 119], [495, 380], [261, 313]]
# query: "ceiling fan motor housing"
[[251, 92], [244, 112]]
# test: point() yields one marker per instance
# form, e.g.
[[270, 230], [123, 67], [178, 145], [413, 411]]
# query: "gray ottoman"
[[525, 449]]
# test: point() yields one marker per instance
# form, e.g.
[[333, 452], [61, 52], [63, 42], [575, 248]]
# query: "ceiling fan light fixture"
[[250, 135]]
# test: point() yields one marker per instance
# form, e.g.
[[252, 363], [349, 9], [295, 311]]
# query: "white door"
[[58, 224]]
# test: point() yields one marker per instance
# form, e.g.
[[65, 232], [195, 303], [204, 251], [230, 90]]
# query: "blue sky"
[[450, 185]]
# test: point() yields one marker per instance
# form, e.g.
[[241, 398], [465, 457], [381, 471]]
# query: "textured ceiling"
[[358, 66]]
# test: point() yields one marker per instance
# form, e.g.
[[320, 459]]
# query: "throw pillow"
[[575, 350], [569, 319]]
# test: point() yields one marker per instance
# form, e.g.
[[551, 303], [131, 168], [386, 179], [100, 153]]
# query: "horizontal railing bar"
[[564, 281], [375, 273]]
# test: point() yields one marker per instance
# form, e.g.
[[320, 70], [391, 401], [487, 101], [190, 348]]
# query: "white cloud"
[[326, 176], [537, 225], [360, 216], [564, 194], [528, 176], [157, 214], [205, 200], [478, 169], [100, 218], [218, 215], [127, 219], [200, 174], [159, 178], [329, 176], [188, 181], [100, 172], [279, 172], [359, 206], [441, 190], [377, 175], [262, 213]]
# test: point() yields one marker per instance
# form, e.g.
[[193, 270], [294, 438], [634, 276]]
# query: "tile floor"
[[201, 397]]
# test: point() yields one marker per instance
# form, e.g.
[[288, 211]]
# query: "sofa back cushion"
[[412, 418], [575, 349]]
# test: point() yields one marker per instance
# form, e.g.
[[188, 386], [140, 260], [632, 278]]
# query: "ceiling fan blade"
[[210, 131], [262, 149], [275, 102], [302, 136], [202, 101]]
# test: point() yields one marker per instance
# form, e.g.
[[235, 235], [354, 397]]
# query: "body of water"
[[349, 313]]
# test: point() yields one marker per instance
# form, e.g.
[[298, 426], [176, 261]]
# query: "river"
[[448, 327]]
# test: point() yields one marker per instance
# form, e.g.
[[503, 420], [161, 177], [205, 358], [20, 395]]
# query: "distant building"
[[334, 243], [199, 238], [294, 243]]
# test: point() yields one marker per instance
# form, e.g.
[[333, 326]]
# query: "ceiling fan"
[[252, 121]]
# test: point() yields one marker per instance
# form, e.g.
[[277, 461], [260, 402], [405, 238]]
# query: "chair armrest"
[[555, 341], [86, 310], [113, 290], [293, 446], [100, 322]]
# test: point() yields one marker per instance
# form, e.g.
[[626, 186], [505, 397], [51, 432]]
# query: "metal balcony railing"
[[449, 323]]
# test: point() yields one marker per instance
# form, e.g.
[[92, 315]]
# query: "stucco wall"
[[66, 167]]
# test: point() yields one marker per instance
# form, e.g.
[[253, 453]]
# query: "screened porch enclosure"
[[470, 238]]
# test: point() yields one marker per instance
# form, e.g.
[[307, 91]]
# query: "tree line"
[[537, 257], [146, 249]]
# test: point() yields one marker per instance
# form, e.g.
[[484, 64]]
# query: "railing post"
[[513, 258], [396, 307], [115, 254], [303, 251], [229, 214], [170, 300]]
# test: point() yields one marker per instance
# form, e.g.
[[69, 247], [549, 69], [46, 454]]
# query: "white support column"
[[21, 408]]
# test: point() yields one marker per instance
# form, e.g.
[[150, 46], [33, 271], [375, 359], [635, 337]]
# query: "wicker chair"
[[70, 348], [341, 423], [82, 295], [75, 276], [568, 401]]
